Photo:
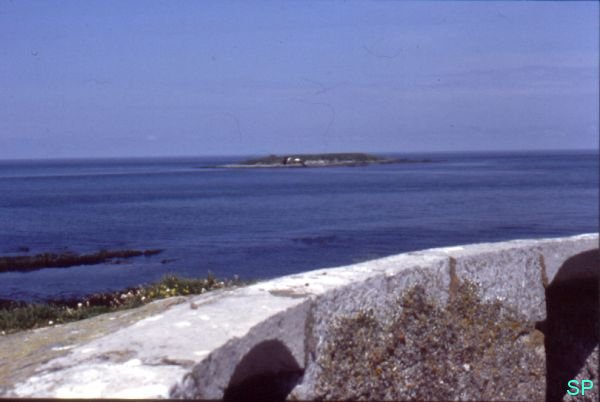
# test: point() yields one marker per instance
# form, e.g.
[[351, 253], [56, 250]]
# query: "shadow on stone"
[[267, 373], [571, 328]]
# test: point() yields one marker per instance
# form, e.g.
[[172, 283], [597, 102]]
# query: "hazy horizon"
[[249, 155], [191, 79]]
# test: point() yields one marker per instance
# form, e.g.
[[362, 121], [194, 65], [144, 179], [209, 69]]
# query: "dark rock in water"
[[23, 249], [67, 259], [318, 240], [6, 304]]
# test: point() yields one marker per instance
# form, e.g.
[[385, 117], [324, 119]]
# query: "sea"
[[264, 223]]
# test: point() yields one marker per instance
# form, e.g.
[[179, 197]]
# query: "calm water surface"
[[261, 223]]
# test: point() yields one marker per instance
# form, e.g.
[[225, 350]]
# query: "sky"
[[190, 78]]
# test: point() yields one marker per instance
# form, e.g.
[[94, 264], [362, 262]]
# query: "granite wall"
[[513, 320]]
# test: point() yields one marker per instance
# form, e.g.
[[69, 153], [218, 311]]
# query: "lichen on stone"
[[467, 349]]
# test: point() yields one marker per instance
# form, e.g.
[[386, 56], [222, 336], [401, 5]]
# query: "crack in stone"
[[543, 271], [454, 281]]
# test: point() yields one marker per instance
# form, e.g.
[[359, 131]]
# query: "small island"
[[320, 160]]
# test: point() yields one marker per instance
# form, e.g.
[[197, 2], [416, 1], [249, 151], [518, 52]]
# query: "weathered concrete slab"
[[22, 353], [276, 331], [514, 273]]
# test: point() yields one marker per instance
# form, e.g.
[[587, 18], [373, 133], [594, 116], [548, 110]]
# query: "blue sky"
[[165, 78]]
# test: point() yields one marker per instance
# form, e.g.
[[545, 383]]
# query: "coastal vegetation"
[[321, 160], [17, 316], [67, 259], [328, 157]]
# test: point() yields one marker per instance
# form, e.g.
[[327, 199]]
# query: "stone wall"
[[512, 320]]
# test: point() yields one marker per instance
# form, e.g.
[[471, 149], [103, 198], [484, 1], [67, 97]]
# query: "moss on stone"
[[467, 349]]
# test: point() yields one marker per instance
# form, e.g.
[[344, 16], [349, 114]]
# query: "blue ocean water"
[[262, 223]]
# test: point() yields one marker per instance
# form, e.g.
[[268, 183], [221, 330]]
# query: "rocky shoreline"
[[65, 260], [20, 315], [485, 321]]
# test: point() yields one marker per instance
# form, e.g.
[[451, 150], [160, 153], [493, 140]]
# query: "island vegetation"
[[321, 160]]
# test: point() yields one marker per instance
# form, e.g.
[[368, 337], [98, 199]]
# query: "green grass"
[[18, 316]]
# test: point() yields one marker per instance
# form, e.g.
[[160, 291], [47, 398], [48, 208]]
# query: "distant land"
[[320, 160]]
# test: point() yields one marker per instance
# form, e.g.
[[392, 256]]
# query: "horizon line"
[[488, 151]]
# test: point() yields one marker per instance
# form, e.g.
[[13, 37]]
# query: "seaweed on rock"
[[64, 260]]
